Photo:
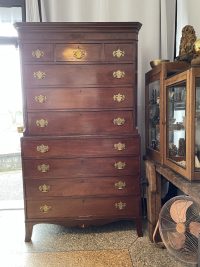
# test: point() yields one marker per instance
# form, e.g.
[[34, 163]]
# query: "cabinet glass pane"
[[176, 133], [197, 126], [154, 115]]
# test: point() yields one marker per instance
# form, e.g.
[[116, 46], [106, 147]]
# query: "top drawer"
[[80, 52], [37, 52]]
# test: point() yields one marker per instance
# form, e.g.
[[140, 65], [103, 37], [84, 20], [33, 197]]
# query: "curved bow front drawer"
[[79, 75], [96, 122]]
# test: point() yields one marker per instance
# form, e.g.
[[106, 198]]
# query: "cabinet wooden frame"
[[188, 171], [159, 73]]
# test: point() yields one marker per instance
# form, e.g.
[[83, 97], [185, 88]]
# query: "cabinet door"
[[154, 115], [176, 123], [197, 125]]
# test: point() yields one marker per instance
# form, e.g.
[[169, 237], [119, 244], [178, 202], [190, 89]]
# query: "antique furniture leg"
[[153, 198], [28, 231]]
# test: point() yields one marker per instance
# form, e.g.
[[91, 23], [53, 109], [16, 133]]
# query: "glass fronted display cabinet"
[[154, 107], [182, 123]]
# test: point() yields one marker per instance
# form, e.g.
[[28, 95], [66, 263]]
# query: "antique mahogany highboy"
[[80, 146]]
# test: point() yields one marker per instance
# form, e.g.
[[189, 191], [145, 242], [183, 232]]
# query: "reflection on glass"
[[197, 126], [154, 115], [176, 133]]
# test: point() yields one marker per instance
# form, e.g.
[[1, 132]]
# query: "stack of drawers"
[[80, 147]]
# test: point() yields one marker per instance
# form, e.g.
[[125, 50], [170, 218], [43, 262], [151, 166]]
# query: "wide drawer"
[[103, 186], [79, 75], [80, 98], [79, 52], [81, 167], [75, 122], [83, 207], [79, 146]]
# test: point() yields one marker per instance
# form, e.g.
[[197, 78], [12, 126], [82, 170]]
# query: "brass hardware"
[[42, 148], [118, 53], [41, 123], [83, 225], [39, 75], [118, 74], [120, 165], [120, 205], [20, 129], [44, 188], [119, 121], [120, 185], [119, 146], [79, 53], [40, 99], [45, 208], [43, 168], [119, 98], [38, 53]]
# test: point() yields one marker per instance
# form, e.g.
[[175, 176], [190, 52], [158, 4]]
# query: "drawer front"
[[78, 52], [37, 52], [79, 98], [104, 186], [62, 123], [79, 147], [79, 75], [81, 167], [85, 207], [120, 52]]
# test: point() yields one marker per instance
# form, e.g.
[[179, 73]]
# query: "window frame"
[[13, 3]]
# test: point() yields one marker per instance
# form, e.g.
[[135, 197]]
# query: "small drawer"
[[37, 52], [78, 52], [77, 98], [120, 52], [96, 122], [104, 186], [81, 167], [84, 207], [70, 147]]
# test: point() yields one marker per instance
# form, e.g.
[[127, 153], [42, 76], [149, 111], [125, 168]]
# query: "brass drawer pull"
[[20, 129], [43, 168], [37, 53], [45, 208], [118, 74], [44, 188], [119, 98], [42, 148], [118, 53], [120, 185], [120, 165], [40, 99], [39, 75], [120, 205], [119, 146], [41, 123], [119, 121], [79, 53]]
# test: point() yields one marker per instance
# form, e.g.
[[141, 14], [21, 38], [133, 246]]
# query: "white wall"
[[188, 14]]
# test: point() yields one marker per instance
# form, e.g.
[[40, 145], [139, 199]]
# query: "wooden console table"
[[154, 172]]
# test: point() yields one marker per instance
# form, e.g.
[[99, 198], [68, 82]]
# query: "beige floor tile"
[[108, 258]]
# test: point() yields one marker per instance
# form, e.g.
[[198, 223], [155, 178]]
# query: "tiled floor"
[[113, 245]]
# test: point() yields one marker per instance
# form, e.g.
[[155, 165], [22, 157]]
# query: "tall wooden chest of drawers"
[[80, 147]]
